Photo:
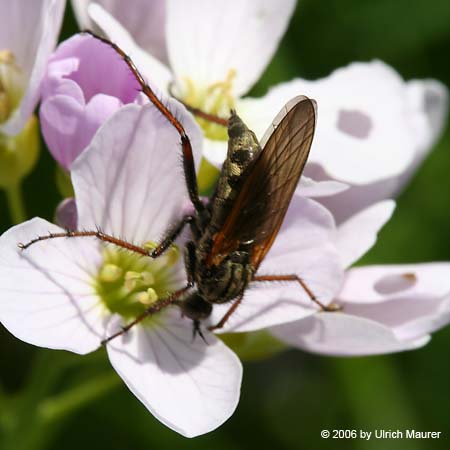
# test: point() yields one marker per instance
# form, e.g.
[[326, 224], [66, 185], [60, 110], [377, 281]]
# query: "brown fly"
[[233, 232]]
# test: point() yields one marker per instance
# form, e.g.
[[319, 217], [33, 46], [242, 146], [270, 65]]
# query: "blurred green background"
[[52, 400]]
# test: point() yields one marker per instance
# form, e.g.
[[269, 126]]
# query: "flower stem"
[[60, 406], [15, 203]]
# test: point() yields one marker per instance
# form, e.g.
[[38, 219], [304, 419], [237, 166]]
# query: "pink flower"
[[385, 308], [70, 293], [147, 18], [86, 82], [28, 34]]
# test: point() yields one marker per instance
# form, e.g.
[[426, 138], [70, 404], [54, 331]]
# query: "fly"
[[233, 232]]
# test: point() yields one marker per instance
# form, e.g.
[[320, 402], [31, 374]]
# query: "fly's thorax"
[[243, 147]]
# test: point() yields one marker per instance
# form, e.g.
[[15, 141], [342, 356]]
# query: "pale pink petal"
[[358, 234], [130, 181], [42, 22], [307, 187], [94, 66], [66, 214], [303, 247], [190, 386], [47, 292], [431, 98], [367, 126], [373, 284], [155, 72], [206, 40], [144, 19], [410, 317], [341, 334], [345, 205], [68, 126]]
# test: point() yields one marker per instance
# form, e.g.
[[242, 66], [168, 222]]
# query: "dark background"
[[287, 399]]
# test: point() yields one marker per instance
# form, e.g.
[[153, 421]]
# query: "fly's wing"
[[259, 209]]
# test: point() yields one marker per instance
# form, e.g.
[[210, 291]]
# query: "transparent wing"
[[260, 207]]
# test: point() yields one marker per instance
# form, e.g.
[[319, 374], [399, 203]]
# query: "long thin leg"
[[97, 234], [188, 157], [198, 112], [153, 309], [227, 315], [171, 236], [302, 284]]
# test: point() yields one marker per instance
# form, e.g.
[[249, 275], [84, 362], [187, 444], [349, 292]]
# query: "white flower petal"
[[190, 386], [303, 247], [215, 151], [129, 181], [155, 72], [411, 317], [372, 284], [367, 125], [42, 20], [359, 233], [205, 39], [343, 335], [145, 21], [309, 188], [430, 97], [47, 293]]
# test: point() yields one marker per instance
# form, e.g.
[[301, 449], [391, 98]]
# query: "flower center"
[[216, 99], [12, 84], [128, 283]]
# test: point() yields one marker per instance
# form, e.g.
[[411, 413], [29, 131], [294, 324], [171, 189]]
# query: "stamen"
[[110, 273]]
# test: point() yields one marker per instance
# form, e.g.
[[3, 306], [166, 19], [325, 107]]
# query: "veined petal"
[[143, 19], [155, 72], [190, 386], [303, 247], [129, 181], [68, 126], [373, 284], [42, 19], [47, 293], [205, 40], [341, 334], [358, 234]]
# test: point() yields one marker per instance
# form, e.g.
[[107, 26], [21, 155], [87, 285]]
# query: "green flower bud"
[[19, 154]]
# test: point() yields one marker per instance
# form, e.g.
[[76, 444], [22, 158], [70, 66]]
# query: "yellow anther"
[[110, 273], [152, 295], [12, 84], [150, 245]]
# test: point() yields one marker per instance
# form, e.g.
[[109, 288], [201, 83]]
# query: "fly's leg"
[[153, 309], [330, 308], [227, 315], [188, 157], [97, 234], [172, 235], [198, 112]]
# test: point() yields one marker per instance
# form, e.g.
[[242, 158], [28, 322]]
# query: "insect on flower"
[[233, 232]]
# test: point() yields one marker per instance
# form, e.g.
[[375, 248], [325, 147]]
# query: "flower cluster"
[[71, 293]]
